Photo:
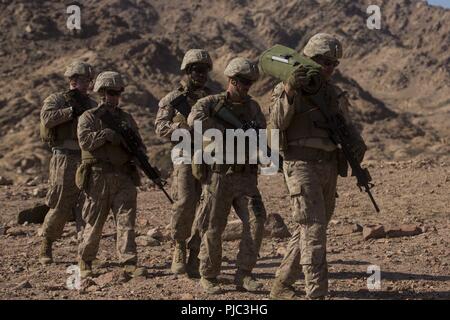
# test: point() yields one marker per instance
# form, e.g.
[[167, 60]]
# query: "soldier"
[[311, 162], [228, 185], [58, 127], [186, 189], [109, 178]]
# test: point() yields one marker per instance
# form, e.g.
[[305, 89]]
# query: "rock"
[[24, 285], [5, 181], [107, 279], [93, 289], [187, 296], [85, 284], [357, 228], [152, 242], [233, 231], [275, 227], [146, 241], [390, 231], [39, 192], [156, 233], [16, 232], [32, 182], [405, 230], [142, 222], [33, 215], [142, 241], [373, 232]]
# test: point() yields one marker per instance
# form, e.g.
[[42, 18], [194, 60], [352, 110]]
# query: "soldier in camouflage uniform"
[[228, 185], [311, 163], [108, 177], [58, 125], [186, 189]]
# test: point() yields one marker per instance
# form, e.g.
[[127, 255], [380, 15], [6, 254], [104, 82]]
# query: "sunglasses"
[[113, 93], [81, 78], [199, 69], [244, 81], [327, 62]]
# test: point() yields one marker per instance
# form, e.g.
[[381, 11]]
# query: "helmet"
[[79, 68], [196, 56], [109, 80], [240, 67], [325, 45]]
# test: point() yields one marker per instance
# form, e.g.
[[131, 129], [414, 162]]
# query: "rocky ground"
[[415, 267]]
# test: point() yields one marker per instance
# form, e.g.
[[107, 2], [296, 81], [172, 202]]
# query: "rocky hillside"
[[397, 77]]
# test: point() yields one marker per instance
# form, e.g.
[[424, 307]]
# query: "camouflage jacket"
[[57, 116], [168, 119], [92, 136], [296, 120]]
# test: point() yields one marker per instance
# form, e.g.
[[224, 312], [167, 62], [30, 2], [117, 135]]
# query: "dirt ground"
[[414, 192]]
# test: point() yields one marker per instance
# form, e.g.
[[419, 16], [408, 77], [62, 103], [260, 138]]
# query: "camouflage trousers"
[[186, 191], [116, 192], [239, 190], [63, 197], [312, 187]]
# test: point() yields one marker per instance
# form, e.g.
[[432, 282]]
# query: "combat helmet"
[[196, 56], [242, 68], [109, 80], [79, 68], [323, 44]]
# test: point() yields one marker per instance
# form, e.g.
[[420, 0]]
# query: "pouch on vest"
[[82, 175], [47, 135]]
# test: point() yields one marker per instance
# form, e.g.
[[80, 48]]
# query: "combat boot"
[[45, 252], [135, 271], [245, 281], [281, 291], [85, 268], [179, 258], [210, 286], [193, 264]]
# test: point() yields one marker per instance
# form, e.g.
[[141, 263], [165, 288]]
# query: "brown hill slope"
[[397, 77]]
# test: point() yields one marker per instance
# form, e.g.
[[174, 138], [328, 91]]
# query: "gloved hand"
[[359, 150], [298, 78], [181, 122], [112, 136]]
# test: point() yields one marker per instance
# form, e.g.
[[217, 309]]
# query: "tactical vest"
[[117, 156], [56, 136], [307, 119], [187, 98], [241, 111]]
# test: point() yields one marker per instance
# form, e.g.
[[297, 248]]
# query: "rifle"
[[77, 101], [180, 104], [224, 114], [340, 135], [135, 147]]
